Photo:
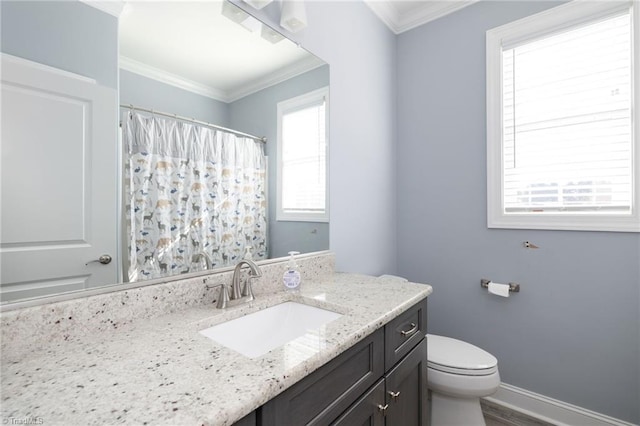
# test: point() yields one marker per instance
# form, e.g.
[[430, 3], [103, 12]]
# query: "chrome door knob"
[[105, 259]]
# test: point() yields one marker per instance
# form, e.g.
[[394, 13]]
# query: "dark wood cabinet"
[[399, 399], [322, 396], [248, 420], [367, 411], [380, 381], [406, 389], [403, 333]]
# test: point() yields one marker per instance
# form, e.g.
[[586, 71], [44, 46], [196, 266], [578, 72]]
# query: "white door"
[[58, 179]]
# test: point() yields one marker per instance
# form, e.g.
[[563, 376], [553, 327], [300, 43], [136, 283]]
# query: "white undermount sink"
[[256, 334]]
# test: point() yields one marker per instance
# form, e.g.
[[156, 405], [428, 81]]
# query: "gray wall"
[[573, 331], [67, 35], [361, 51], [148, 93], [257, 114]]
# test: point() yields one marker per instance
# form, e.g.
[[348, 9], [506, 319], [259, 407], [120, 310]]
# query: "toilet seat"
[[457, 357]]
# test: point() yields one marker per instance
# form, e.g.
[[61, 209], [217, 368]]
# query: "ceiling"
[[403, 15], [190, 44]]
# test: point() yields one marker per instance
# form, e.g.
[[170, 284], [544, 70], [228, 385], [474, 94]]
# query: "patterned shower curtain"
[[191, 192]]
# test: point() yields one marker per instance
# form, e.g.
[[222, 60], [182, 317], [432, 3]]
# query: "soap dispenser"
[[247, 253], [291, 276]]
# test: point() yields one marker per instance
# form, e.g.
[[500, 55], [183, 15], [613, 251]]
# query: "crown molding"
[[276, 77], [180, 82], [421, 12], [386, 12], [175, 80], [112, 7]]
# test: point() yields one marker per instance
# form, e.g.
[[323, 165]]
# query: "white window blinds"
[[304, 159], [302, 153], [567, 120]]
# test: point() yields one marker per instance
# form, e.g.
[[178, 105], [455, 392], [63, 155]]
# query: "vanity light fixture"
[[293, 15], [271, 35], [241, 17], [257, 4], [252, 24], [233, 12]]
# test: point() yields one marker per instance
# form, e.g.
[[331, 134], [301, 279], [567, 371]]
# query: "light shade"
[[257, 4], [233, 12], [252, 24], [271, 35], [293, 16]]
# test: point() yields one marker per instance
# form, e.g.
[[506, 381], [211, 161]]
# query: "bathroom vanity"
[[382, 378], [138, 357]]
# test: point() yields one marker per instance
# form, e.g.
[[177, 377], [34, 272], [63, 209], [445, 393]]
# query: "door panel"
[[59, 184], [365, 412], [406, 388]]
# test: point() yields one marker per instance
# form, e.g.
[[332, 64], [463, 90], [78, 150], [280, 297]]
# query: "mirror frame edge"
[[113, 288]]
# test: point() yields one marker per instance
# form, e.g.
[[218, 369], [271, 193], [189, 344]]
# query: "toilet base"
[[450, 411]]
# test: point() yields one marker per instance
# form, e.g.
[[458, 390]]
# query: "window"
[[302, 158], [562, 132]]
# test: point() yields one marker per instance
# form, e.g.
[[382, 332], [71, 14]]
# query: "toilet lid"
[[458, 357]]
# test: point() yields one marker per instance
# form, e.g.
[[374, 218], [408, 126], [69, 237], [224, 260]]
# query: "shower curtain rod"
[[193, 120]]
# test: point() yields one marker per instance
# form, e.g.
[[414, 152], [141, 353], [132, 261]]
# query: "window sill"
[[566, 222]]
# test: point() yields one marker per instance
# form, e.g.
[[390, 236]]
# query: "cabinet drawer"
[[404, 333], [321, 397]]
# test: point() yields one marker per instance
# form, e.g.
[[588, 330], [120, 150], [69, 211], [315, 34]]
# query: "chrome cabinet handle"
[[394, 395], [383, 409], [105, 259], [410, 332]]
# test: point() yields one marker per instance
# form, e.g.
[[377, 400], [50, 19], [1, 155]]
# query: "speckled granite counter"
[[162, 371]]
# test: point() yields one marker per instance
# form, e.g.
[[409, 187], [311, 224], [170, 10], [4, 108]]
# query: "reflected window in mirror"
[[302, 158]]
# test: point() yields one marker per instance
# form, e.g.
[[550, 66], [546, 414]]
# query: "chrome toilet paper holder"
[[513, 287]]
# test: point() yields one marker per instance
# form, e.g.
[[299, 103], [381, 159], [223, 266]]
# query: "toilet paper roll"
[[499, 289]]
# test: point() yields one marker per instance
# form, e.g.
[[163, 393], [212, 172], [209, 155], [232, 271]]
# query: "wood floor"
[[496, 415]]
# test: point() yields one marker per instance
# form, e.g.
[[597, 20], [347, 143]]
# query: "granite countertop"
[[163, 371]]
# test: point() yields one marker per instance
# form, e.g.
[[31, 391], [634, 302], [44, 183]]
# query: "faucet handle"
[[247, 291], [223, 296]]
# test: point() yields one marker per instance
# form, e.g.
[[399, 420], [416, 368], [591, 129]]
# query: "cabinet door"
[[248, 420], [366, 411], [406, 390], [321, 397]]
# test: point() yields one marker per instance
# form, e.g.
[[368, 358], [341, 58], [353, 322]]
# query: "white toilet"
[[459, 374]]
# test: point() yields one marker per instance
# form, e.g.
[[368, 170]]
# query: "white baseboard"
[[550, 410]]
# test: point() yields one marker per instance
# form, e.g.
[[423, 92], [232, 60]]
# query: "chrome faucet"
[[235, 281], [202, 255]]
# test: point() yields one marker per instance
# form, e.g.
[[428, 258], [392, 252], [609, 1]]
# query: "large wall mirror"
[[210, 72]]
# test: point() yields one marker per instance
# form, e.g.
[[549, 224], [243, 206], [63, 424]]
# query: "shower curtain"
[[193, 195]]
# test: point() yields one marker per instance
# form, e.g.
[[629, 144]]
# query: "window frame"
[[292, 105], [531, 28]]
